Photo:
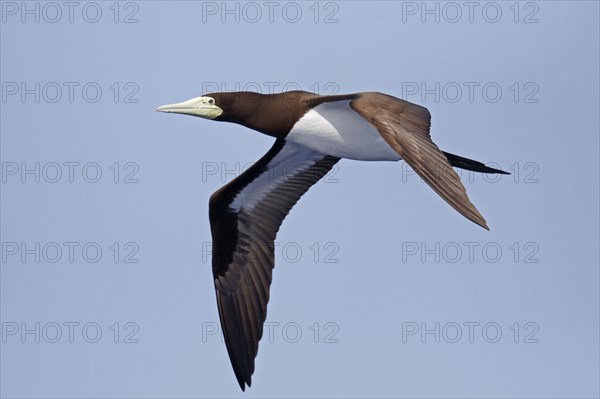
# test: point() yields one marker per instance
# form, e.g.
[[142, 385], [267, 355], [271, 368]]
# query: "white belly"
[[336, 129]]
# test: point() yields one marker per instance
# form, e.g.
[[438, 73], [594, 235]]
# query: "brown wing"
[[405, 126], [245, 216]]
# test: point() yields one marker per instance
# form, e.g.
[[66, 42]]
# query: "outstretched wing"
[[405, 127], [245, 216]]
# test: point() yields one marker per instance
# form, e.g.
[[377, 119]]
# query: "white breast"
[[334, 128]]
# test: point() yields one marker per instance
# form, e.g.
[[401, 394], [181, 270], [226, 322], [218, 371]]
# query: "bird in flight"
[[312, 133]]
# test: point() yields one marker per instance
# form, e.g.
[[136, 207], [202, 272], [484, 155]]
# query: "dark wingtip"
[[469, 164], [243, 382], [499, 171]]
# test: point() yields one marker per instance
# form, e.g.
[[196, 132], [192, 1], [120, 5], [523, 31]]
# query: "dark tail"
[[469, 164]]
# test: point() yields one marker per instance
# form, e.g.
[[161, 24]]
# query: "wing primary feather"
[[470, 164], [405, 127], [243, 243]]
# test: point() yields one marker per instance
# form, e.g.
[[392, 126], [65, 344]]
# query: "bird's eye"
[[211, 101]]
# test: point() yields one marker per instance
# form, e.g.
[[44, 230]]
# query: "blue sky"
[[380, 288]]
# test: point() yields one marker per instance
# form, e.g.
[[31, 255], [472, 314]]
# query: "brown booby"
[[312, 133]]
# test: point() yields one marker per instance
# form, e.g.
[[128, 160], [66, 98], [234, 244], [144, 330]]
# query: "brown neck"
[[271, 114]]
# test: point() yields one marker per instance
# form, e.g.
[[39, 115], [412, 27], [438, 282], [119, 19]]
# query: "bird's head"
[[229, 107], [271, 114]]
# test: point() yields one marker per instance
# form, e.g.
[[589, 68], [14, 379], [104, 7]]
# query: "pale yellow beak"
[[203, 107]]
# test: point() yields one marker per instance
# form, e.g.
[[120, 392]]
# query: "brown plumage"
[[246, 214], [405, 127], [243, 251]]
